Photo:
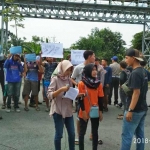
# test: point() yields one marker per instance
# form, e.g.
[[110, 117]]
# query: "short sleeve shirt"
[[137, 80], [32, 73], [93, 94], [49, 69], [77, 72]]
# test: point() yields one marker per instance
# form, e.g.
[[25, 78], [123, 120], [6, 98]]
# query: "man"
[[136, 106], [100, 71], [107, 82], [49, 67], [115, 79], [13, 77], [31, 70], [89, 57], [143, 64]]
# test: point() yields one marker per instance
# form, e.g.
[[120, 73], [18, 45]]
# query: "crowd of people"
[[95, 79]]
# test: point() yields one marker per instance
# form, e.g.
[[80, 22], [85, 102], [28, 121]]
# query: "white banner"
[[77, 57], [54, 50]]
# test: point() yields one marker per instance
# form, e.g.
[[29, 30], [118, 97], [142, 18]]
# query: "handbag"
[[126, 89], [94, 110]]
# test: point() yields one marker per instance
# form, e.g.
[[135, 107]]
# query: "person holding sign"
[[13, 77], [61, 107], [49, 66], [31, 70], [93, 89]]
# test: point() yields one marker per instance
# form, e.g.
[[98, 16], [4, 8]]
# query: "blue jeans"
[[135, 127], [13, 91], [123, 98], [59, 125]]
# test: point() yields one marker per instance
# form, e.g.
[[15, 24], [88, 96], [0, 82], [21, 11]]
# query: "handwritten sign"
[[54, 50], [77, 57]]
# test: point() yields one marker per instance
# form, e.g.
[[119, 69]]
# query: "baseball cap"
[[134, 53], [115, 58]]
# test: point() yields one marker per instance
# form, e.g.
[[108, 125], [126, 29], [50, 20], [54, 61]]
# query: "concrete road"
[[35, 130]]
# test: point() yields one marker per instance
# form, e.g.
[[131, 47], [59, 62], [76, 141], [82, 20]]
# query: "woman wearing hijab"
[[94, 93], [61, 108]]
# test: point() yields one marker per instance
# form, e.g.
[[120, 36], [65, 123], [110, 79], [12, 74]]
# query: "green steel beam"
[[78, 11]]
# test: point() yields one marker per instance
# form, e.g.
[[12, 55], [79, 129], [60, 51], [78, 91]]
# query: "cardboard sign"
[[16, 50], [30, 57], [77, 57], [54, 50]]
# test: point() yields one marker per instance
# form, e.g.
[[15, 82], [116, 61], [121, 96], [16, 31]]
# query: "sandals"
[[37, 109], [26, 109], [120, 117], [76, 141], [100, 142]]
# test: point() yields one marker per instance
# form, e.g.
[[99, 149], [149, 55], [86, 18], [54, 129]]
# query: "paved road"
[[35, 130]]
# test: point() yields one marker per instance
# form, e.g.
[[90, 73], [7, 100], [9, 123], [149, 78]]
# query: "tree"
[[104, 43], [12, 13], [137, 41]]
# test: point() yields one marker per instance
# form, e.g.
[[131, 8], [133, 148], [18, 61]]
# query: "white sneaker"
[[8, 110], [17, 110]]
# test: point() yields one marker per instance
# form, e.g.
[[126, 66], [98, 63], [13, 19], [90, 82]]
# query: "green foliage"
[[104, 43], [12, 13], [137, 41]]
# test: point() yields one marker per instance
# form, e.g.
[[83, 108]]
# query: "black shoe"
[[105, 109], [19, 102], [39, 103], [1, 117], [119, 105], [148, 105], [31, 105]]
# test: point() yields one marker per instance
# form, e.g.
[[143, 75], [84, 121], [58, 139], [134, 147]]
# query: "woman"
[[94, 94], [61, 108]]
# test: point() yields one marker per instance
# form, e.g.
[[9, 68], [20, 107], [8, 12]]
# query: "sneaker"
[[47, 109], [17, 110], [8, 110]]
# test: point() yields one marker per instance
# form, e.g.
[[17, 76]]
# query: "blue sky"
[[68, 32]]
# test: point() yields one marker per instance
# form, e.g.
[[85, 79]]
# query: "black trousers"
[[83, 127], [32, 101], [2, 81], [114, 85]]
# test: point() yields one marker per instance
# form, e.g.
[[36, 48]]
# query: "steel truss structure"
[[113, 11]]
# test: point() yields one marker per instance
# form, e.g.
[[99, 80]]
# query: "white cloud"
[[68, 32]]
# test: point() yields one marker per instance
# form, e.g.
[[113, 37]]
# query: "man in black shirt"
[[134, 116]]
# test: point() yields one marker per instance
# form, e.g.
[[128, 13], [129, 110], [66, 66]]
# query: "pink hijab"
[[61, 68]]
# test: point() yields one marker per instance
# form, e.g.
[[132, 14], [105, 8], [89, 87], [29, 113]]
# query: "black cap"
[[134, 53]]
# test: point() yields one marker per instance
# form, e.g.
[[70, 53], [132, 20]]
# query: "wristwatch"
[[130, 110]]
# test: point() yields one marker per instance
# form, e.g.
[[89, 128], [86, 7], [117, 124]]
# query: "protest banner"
[[54, 50], [77, 57]]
